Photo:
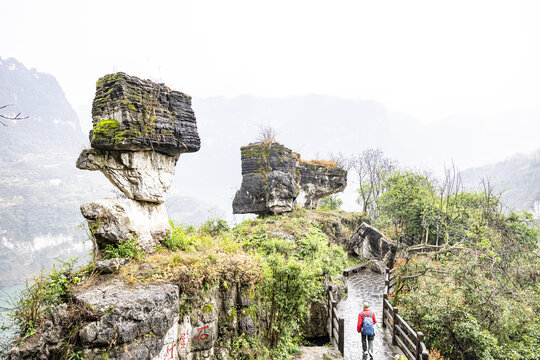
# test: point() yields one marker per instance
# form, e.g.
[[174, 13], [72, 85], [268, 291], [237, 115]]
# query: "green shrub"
[[214, 227], [42, 294], [330, 202], [126, 249]]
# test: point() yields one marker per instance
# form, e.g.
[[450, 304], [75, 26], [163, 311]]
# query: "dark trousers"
[[367, 342]]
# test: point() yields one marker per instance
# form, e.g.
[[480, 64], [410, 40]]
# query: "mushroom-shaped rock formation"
[[133, 114], [140, 129], [275, 180]]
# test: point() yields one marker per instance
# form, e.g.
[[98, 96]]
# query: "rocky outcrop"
[[133, 114], [140, 175], [318, 179], [275, 180], [370, 243], [268, 180], [139, 130], [115, 220], [144, 322]]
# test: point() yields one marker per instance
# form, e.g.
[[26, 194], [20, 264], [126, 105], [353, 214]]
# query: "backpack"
[[367, 324]]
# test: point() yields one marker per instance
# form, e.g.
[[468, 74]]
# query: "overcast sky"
[[430, 59]]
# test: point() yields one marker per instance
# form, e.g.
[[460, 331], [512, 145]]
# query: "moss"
[[106, 129], [207, 308]]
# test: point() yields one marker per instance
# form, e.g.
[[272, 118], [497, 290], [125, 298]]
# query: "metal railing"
[[408, 340]]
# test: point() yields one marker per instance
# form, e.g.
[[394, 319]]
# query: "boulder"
[[268, 180], [370, 243], [140, 175], [275, 180], [318, 179], [113, 221], [141, 322], [133, 114]]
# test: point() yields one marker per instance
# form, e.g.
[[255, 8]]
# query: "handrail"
[[409, 341], [336, 329]]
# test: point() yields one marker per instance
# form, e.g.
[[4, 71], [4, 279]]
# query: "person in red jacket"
[[366, 326]]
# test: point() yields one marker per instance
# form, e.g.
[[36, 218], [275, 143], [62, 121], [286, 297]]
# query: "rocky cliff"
[[275, 180], [139, 130]]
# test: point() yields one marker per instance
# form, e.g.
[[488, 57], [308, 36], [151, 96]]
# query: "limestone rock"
[[369, 243], [141, 322], [317, 180], [268, 180], [109, 266], [140, 175], [315, 325], [275, 180], [115, 220], [133, 114]]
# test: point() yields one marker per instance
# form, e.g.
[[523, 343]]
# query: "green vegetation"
[[43, 294], [279, 262], [472, 289], [126, 249], [330, 202]]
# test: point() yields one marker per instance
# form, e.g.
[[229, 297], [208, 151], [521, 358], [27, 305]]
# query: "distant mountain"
[[40, 189], [518, 176]]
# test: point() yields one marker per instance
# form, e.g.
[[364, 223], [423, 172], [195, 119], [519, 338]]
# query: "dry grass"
[[192, 271], [325, 163]]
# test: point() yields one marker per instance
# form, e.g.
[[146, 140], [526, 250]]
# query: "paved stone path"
[[365, 286]]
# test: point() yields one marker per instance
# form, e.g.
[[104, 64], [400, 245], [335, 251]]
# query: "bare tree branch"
[[7, 117]]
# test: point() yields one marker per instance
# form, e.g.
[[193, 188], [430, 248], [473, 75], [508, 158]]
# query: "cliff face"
[[139, 130], [143, 322], [275, 180]]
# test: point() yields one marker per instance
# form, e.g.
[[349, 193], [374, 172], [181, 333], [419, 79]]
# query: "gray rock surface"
[[274, 180], [317, 181], [112, 221], [268, 180], [315, 325], [109, 266], [318, 353], [369, 243], [140, 175], [129, 113], [140, 128]]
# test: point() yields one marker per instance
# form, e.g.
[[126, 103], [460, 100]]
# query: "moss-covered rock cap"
[[129, 113]]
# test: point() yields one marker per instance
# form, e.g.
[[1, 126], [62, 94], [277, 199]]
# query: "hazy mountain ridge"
[[518, 177], [41, 190]]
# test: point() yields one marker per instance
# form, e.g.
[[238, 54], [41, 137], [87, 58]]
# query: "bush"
[[126, 249], [214, 227], [41, 295], [330, 202]]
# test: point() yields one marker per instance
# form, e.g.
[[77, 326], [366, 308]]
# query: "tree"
[[373, 168], [9, 117]]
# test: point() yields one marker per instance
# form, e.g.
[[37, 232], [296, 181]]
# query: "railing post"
[[385, 297], [418, 350], [394, 318], [341, 332]]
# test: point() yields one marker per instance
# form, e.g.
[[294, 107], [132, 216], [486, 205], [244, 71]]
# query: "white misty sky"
[[430, 59]]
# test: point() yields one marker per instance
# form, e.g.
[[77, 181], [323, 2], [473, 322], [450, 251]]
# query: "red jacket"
[[361, 316]]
